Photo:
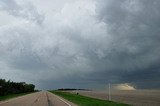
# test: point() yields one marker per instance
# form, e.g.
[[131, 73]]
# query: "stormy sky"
[[80, 43]]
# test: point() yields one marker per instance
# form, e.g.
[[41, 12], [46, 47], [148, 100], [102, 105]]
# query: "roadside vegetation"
[[11, 96], [9, 89], [86, 101]]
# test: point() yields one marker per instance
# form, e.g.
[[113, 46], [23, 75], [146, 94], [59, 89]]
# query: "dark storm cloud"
[[84, 44], [134, 26]]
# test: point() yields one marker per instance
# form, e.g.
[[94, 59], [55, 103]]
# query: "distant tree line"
[[10, 87], [70, 89]]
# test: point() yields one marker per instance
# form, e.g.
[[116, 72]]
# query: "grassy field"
[[86, 101], [11, 96], [132, 97]]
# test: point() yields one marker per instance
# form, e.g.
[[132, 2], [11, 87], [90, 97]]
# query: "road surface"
[[37, 99]]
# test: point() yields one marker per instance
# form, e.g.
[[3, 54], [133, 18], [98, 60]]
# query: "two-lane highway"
[[37, 99]]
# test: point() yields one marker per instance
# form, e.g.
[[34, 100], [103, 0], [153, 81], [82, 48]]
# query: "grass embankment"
[[6, 97], [86, 101]]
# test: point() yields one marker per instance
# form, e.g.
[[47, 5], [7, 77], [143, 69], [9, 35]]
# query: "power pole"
[[109, 92]]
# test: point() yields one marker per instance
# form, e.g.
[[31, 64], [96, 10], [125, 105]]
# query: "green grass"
[[6, 97], [86, 101]]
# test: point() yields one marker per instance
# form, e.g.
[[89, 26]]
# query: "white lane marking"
[[63, 100]]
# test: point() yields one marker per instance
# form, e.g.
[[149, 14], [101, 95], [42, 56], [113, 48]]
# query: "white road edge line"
[[63, 100]]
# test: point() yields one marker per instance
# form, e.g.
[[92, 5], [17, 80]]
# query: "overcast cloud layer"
[[80, 43]]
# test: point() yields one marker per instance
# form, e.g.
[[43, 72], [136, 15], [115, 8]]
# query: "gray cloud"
[[26, 11], [84, 44], [134, 26]]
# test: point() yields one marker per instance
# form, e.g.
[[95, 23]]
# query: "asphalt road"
[[37, 99]]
